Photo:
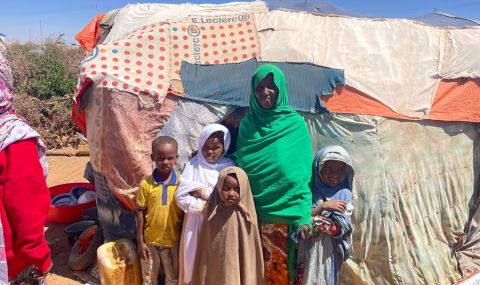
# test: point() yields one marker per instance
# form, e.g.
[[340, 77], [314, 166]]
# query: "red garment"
[[325, 225], [25, 201], [79, 116]]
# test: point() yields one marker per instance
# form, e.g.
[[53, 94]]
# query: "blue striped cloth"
[[229, 84]]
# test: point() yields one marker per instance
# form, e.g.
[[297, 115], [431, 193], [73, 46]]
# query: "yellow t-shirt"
[[162, 215]]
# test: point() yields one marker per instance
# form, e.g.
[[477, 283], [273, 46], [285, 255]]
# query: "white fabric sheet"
[[463, 56], [134, 16], [396, 61]]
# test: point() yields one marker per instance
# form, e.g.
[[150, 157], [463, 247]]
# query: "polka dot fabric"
[[213, 40], [138, 63], [148, 59]]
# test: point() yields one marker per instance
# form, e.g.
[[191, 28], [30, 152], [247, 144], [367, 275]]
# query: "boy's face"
[[333, 172], [212, 150], [266, 92], [165, 156], [230, 194]]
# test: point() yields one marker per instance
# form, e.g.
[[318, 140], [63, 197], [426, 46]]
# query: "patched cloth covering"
[[120, 137], [147, 60], [412, 199], [213, 40], [139, 62]]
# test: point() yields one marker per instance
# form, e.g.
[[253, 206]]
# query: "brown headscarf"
[[229, 249]]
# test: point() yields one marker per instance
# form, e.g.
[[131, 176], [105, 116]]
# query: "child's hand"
[[199, 193], [334, 206], [143, 250]]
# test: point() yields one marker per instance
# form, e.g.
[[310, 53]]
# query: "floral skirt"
[[275, 257]]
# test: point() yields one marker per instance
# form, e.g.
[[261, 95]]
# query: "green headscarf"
[[274, 149]]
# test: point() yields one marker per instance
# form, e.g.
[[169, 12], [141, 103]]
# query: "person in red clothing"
[[24, 195]]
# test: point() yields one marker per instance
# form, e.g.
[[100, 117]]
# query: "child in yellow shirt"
[[158, 216]]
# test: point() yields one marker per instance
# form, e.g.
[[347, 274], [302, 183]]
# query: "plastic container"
[[68, 214], [119, 263], [63, 200]]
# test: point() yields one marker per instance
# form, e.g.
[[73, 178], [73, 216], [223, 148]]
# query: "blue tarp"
[[306, 82]]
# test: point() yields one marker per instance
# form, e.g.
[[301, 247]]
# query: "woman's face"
[[266, 92], [333, 172]]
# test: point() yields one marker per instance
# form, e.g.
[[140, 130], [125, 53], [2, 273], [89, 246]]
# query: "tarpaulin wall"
[[412, 187], [414, 180], [397, 62]]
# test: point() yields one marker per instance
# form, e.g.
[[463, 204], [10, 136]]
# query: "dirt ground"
[[63, 169]]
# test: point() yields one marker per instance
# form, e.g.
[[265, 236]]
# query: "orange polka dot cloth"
[[140, 62], [213, 40], [148, 59]]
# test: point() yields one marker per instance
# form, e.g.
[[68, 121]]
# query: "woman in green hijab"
[[274, 149]]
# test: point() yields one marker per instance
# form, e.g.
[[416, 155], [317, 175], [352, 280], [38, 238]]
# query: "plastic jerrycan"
[[119, 263]]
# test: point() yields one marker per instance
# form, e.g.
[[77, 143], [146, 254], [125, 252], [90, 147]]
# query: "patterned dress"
[[274, 246]]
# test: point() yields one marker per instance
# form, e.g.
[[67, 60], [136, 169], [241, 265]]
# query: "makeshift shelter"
[[402, 97]]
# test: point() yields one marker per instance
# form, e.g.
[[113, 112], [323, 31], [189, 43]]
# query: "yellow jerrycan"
[[119, 263]]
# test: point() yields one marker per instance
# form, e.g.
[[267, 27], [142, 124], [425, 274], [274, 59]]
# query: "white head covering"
[[198, 172], [207, 131]]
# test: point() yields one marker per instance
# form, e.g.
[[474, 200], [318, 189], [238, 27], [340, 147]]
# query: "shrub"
[[49, 77], [42, 76], [44, 71], [50, 118], [17, 55]]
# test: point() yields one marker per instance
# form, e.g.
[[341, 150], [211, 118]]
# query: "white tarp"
[[411, 195], [462, 58], [395, 61], [134, 16]]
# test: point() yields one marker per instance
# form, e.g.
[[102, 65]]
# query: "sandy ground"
[[62, 169]]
